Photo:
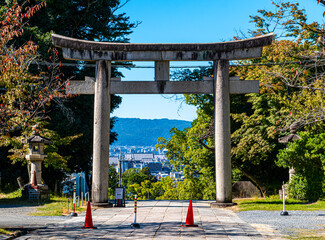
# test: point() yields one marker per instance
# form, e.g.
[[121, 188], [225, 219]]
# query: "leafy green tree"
[[69, 118], [142, 190], [113, 177], [303, 76], [139, 182], [288, 92], [112, 181], [79, 19], [23, 96], [25, 93], [167, 188], [132, 176], [146, 171], [294, 84], [256, 118]]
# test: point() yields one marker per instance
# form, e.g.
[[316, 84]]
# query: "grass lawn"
[[56, 206], [273, 203], [14, 198]]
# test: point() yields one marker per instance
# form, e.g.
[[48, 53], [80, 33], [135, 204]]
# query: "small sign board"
[[119, 197], [119, 193]]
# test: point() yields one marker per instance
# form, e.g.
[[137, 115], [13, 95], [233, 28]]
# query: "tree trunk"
[[257, 183]]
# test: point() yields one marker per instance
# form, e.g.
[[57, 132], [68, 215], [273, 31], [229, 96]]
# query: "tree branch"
[[205, 146]]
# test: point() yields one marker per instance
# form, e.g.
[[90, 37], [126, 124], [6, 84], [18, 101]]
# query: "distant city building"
[[113, 161], [140, 157], [178, 176]]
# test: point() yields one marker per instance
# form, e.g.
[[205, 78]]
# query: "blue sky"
[[186, 21]]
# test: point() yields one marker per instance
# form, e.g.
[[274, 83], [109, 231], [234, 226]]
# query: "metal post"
[[78, 202], [87, 197], [120, 172], [284, 212], [68, 204], [74, 214], [79, 185], [82, 198], [84, 184], [135, 224]]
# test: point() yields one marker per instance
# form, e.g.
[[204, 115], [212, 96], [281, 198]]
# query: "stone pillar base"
[[102, 205], [222, 205]]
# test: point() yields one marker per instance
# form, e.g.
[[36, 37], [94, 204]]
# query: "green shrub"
[[298, 188], [302, 188], [307, 157]]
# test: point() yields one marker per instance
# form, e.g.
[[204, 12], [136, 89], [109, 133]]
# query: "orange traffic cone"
[[89, 219], [189, 218]]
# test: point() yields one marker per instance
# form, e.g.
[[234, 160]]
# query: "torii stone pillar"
[[222, 132], [221, 85], [102, 108]]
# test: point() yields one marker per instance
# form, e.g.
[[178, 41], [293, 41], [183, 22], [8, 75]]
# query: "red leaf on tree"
[[296, 73]]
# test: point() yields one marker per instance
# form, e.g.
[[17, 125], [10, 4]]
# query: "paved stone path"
[[158, 220]]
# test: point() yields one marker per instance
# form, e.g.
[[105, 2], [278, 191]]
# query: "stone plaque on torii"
[[221, 85]]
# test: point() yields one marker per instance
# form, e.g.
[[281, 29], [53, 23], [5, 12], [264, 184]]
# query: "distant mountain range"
[[144, 132]]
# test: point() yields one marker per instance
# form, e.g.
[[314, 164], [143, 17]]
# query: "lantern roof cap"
[[292, 136], [36, 137], [286, 139]]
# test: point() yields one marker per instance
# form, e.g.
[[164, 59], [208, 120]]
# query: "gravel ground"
[[7, 210], [17, 217], [14, 216], [288, 225]]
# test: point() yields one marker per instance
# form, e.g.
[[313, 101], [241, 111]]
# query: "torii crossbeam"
[[103, 86]]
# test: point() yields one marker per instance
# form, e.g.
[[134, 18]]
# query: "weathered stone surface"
[[163, 87], [89, 55], [222, 132], [90, 50], [78, 44], [158, 220], [244, 189], [242, 87], [101, 133], [289, 138], [161, 70]]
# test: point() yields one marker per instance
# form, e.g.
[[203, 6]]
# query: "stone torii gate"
[[103, 86]]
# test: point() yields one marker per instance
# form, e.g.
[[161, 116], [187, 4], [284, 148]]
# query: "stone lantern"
[[35, 157], [290, 138]]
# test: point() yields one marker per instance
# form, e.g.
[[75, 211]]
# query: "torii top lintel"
[[77, 49]]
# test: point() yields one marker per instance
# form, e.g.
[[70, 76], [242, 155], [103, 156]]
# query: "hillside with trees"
[[144, 132]]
